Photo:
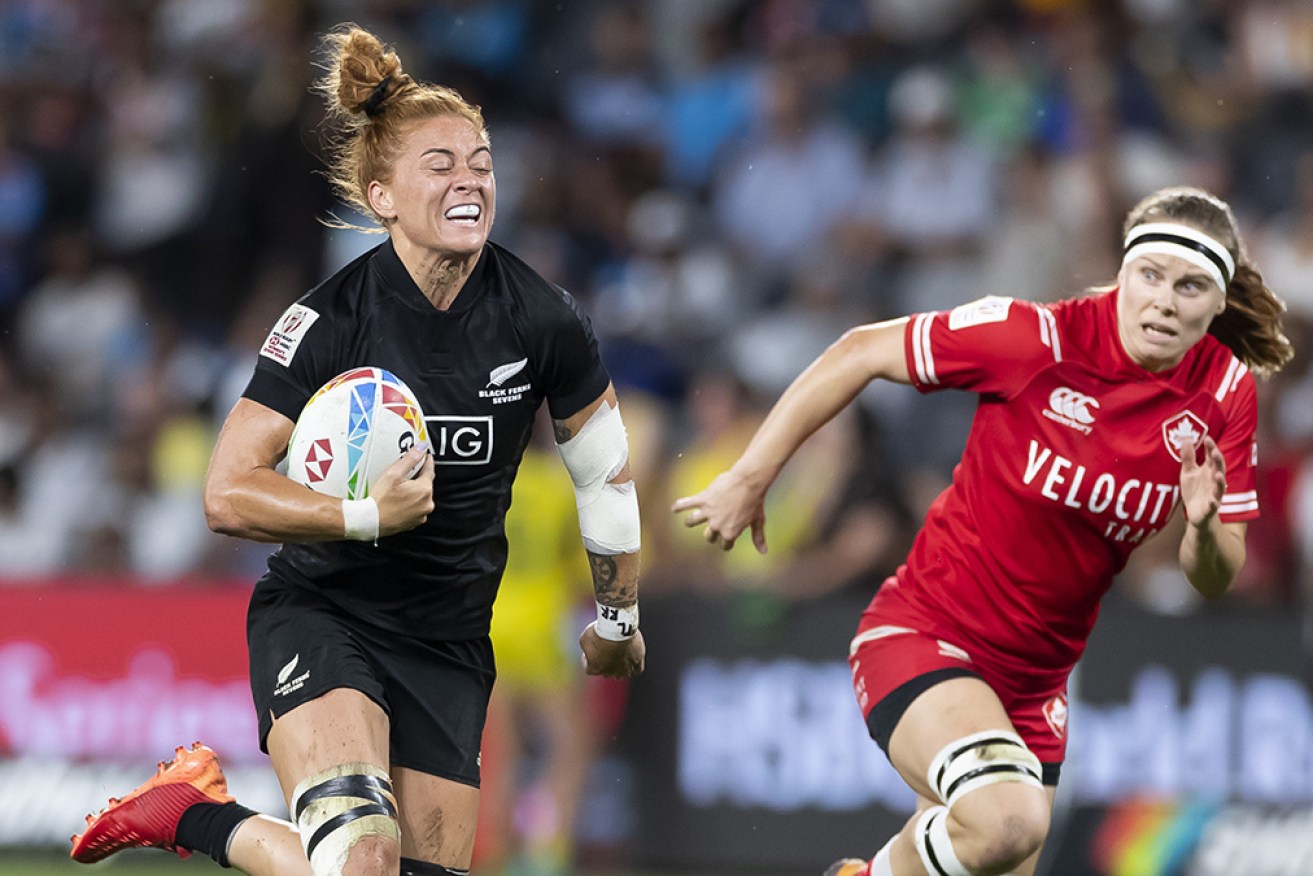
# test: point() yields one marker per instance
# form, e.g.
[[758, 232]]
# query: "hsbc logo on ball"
[[318, 460], [1072, 408], [460, 440]]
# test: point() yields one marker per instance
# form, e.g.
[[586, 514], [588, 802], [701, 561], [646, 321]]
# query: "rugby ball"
[[351, 430]]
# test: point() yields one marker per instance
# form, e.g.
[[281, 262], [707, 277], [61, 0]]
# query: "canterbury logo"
[[286, 672], [1073, 405], [503, 373]]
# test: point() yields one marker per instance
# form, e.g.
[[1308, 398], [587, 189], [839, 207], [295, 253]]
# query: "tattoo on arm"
[[606, 582], [561, 431]]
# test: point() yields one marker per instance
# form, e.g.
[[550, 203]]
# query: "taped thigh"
[[981, 759], [337, 808]]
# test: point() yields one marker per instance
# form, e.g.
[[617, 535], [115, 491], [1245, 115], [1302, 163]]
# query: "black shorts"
[[434, 693]]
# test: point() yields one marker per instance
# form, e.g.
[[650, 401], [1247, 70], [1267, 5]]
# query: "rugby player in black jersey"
[[369, 653]]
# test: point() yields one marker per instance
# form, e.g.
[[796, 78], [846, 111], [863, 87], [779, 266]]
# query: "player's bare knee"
[[990, 841], [373, 855], [347, 819], [1015, 811]]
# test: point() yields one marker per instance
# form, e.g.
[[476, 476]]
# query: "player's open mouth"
[[465, 214], [1158, 331]]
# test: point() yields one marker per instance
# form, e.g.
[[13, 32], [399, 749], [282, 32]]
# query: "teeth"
[[464, 211]]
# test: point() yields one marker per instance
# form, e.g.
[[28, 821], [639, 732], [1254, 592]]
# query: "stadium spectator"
[[371, 664], [1095, 416], [784, 189]]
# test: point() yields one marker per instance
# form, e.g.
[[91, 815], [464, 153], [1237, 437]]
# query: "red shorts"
[[893, 664]]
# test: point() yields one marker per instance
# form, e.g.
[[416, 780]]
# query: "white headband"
[[1182, 241]]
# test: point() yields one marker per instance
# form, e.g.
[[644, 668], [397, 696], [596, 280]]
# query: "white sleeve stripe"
[[1044, 330], [917, 355], [929, 351], [1050, 324], [1226, 380], [1240, 497], [1238, 508], [1240, 372], [925, 359]]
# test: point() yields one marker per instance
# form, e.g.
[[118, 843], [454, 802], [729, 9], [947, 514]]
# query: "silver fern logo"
[[497, 391], [286, 684], [502, 373], [286, 671]]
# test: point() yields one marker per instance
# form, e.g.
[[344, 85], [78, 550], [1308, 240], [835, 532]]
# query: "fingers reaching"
[[724, 510], [1188, 460], [686, 502]]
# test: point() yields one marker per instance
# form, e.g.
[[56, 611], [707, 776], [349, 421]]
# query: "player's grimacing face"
[[443, 192], [1164, 307]]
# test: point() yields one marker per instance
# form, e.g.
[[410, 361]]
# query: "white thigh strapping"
[[980, 759], [934, 846], [337, 808]]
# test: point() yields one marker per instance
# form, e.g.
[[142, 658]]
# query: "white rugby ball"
[[352, 429]]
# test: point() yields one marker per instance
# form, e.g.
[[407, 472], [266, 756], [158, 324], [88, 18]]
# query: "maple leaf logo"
[[1185, 426]]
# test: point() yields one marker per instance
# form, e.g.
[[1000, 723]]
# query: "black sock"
[[411, 867], [207, 827]]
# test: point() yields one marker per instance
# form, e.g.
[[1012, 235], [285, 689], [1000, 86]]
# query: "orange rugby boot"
[[148, 817], [848, 867]]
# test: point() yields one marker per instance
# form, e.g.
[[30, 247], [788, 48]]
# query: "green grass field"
[[126, 864]]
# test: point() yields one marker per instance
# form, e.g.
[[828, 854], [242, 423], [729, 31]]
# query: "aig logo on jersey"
[[1072, 408], [1185, 426], [460, 440]]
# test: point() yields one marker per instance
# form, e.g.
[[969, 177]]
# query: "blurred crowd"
[[726, 185]]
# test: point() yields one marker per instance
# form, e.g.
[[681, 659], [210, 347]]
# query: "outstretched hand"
[[1202, 484], [611, 659], [724, 509]]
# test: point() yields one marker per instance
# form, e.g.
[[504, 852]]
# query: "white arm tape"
[[360, 519], [616, 624], [608, 513]]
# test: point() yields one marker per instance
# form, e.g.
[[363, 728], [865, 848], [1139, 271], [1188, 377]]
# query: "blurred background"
[[726, 185]]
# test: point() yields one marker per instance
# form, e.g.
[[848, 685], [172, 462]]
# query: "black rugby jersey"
[[438, 580]]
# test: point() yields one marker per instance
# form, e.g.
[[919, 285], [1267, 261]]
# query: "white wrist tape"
[[608, 513], [360, 519], [617, 624]]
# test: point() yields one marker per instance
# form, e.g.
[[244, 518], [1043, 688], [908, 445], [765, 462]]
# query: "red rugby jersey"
[[1072, 461]]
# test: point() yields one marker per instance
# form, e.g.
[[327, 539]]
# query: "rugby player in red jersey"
[[1097, 418]]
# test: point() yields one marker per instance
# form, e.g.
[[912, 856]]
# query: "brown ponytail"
[[1250, 326], [1251, 323], [370, 101]]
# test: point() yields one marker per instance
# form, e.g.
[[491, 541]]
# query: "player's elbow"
[[221, 508], [1212, 566], [1213, 580]]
